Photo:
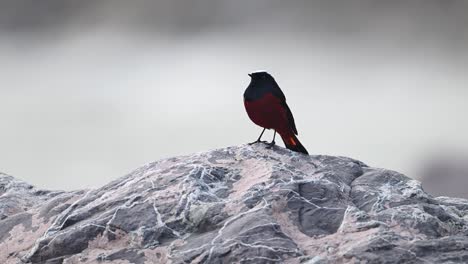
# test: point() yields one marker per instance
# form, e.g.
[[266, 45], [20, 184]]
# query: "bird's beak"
[[250, 74]]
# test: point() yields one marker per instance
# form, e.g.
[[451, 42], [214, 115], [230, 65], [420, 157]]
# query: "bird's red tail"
[[291, 142]]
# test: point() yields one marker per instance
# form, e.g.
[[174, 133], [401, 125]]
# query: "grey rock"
[[244, 204]]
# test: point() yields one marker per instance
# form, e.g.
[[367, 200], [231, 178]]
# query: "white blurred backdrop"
[[93, 89]]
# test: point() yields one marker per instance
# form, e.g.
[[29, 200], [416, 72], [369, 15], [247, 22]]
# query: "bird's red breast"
[[268, 112]]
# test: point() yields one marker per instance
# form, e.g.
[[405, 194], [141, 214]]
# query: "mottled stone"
[[245, 204], [7, 224]]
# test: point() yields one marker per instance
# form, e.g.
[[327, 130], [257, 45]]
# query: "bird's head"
[[261, 79], [261, 82], [261, 76]]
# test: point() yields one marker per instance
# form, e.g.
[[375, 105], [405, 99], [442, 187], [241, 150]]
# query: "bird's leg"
[[258, 140], [272, 143]]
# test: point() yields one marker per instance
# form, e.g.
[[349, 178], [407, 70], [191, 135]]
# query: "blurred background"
[[90, 90]]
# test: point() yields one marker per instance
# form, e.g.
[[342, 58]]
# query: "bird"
[[266, 106]]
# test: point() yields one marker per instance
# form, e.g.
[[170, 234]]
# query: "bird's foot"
[[270, 145], [257, 141]]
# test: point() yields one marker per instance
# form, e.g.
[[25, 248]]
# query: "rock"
[[244, 204]]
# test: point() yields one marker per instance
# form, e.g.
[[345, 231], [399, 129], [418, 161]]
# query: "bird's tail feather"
[[291, 142]]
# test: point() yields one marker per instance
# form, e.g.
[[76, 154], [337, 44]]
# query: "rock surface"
[[244, 204]]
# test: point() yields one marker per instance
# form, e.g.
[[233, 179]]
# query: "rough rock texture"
[[244, 204]]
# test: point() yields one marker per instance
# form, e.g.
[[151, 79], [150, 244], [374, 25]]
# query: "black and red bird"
[[266, 106]]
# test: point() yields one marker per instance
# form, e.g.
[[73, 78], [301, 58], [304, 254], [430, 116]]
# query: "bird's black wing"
[[290, 117], [278, 93]]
